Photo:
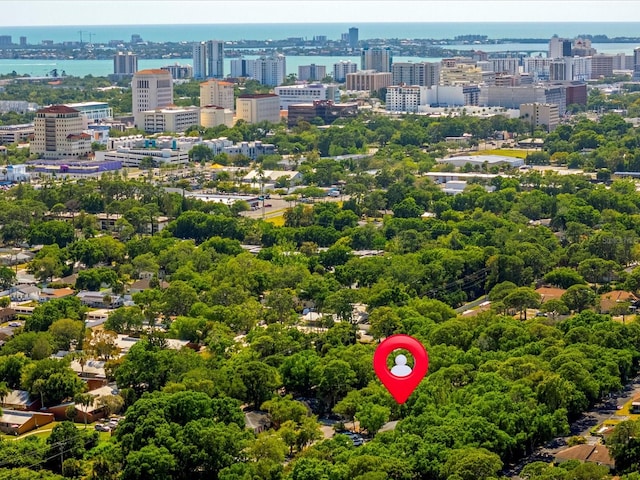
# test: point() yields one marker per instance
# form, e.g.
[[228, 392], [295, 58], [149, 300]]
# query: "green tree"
[[579, 297]]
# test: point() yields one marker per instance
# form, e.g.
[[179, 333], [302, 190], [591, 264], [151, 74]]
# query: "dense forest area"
[[499, 383]]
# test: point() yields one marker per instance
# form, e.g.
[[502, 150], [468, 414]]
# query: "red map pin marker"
[[401, 380]]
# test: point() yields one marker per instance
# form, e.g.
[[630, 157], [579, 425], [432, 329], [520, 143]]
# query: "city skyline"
[[136, 12]]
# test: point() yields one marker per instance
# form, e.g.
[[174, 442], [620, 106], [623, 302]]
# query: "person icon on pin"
[[401, 369]]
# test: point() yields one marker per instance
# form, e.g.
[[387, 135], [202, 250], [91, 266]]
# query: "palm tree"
[[86, 400], [4, 392]]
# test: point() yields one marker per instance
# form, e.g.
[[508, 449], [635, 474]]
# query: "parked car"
[[15, 324], [102, 428]]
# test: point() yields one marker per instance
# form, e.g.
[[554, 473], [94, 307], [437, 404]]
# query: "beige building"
[[151, 89], [170, 119], [368, 80], [218, 93], [258, 108], [58, 133], [212, 116], [540, 114], [462, 74]]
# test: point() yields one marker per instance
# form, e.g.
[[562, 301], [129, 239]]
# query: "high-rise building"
[[150, 89], [376, 58], [636, 64], [5, 40], [125, 64], [559, 47], [353, 37], [294, 94], [602, 66], [58, 133], [405, 98], [423, 74], [538, 67], [540, 115], [509, 65], [179, 72], [208, 59], [341, 69], [311, 72], [258, 108], [368, 80], [218, 93], [23, 41], [570, 69], [267, 70]]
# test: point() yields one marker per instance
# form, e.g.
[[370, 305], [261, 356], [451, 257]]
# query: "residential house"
[[7, 314], [20, 400], [16, 422], [610, 299], [24, 293], [548, 293], [52, 293], [144, 284], [104, 299], [598, 454]]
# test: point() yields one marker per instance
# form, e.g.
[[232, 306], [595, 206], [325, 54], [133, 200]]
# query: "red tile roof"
[[153, 71], [58, 109]]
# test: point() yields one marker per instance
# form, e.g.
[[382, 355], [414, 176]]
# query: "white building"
[[258, 108], [15, 133], [268, 70], [212, 116], [170, 119], [510, 66], [341, 69], [405, 98], [513, 97], [295, 94], [150, 89], [58, 133], [125, 64], [131, 157], [218, 93], [559, 47], [208, 59], [482, 160], [94, 112], [538, 67], [311, 72], [570, 69]]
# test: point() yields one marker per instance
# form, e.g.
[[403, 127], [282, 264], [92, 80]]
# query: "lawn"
[[505, 152], [44, 432], [278, 221]]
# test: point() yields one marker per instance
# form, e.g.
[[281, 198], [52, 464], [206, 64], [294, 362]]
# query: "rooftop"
[[153, 71], [58, 109]]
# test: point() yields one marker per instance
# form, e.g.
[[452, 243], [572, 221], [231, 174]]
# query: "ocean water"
[[234, 32]]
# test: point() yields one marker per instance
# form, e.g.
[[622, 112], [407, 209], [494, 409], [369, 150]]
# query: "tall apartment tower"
[[353, 37], [208, 59], [58, 133], [636, 64], [125, 64], [270, 70], [341, 69], [218, 93], [311, 72], [559, 47], [423, 74], [376, 58], [151, 89]]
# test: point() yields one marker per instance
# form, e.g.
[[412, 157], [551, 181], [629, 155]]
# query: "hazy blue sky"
[[138, 12]]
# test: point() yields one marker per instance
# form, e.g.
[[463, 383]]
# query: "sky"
[[140, 12]]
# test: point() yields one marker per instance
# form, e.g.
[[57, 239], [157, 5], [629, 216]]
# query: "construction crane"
[[80, 32], [88, 33]]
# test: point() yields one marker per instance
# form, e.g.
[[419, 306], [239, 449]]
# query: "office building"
[[602, 66], [58, 133], [169, 119], [293, 94], [405, 98], [311, 72], [133, 157], [513, 97], [241, 68], [537, 67], [325, 110], [570, 69], [151, 89], [256, 108], [94, 112], [213, 115], [376, 58], [23, 41], [559, 47], [179, 72], [540, 115], [368, 81], [341, 69], [5, 41], [208, 59], [582, 48], [353, 37], [423, 74], [217, 92], [125, 64]]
